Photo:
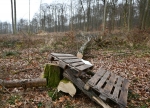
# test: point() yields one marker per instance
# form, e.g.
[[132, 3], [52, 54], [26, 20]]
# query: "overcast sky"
[[22, 8]]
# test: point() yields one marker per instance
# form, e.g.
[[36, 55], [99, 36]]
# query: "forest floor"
[[24, 57]]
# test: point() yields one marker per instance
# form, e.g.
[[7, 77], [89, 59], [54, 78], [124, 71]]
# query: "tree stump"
[[52, 74]]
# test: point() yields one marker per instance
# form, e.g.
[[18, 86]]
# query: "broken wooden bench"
[[102, 85]]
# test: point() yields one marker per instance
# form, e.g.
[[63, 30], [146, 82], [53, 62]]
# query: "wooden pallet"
[[110, 86], [69, 60], [80, 84], [107, 84]]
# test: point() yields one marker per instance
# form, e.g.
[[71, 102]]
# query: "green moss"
[[65, 80], [52, 74]]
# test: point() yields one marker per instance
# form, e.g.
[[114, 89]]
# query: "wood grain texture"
[[77, 64], [83, 67], [72, 60], [61, 55], [92, 82]]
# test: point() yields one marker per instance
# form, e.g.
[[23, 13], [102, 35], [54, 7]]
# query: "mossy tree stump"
[[52, 73]]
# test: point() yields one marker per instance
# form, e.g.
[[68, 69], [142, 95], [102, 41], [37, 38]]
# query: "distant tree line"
[[87, 15]]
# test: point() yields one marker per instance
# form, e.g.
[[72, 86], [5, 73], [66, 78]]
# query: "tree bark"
[[12, 15], [52, 73], [104, 16], [129, 16], [15, 20], [25, 83], [145, 15]]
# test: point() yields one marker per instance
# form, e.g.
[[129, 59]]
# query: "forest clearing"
[[23, 57], [111, 36]]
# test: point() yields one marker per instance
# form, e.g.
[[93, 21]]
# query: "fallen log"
[[25, 83], [51, 79]]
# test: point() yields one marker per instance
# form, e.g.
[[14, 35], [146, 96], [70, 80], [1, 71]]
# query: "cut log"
[[25, 83], [82, 49], [67, 86], [52, 74]]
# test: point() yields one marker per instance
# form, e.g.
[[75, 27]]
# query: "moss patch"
[[52, 74]]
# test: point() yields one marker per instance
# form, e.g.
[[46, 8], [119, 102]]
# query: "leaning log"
[[82, 49], [25, 83]]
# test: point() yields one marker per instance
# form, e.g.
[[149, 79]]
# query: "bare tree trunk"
[[129, 16], [71, 16], [104, 17], [83, 11], [125, 14], [29, 18], [12, 17], [88, 14], [145, 15], [15, 20]]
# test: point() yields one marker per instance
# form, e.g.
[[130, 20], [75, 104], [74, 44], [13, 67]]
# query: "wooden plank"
[[63, 58], [117, 88], [77, 64], [62, 64], [92, 82], [124, 93], [109, 86], [72, 60], [125, 84], [83, 67], [61, 55], [102, 81]]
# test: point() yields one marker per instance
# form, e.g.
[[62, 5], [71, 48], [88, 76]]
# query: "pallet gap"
[[104, 85], [112, 90], [116, 80], [119, 93]]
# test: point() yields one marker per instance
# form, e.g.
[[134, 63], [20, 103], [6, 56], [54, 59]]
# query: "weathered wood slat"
[[63, 58], [115, 94], [125, 84], [72, 60], [124, 91], [102, 81], [83, 67], [77, 64], [96, 77], [61, 55], [62, 64], [110, 84]]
